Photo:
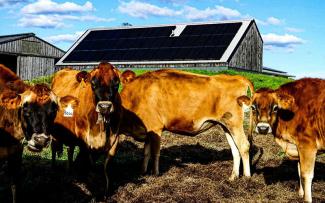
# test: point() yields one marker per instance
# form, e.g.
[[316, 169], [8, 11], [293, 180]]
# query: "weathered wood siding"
[[249, 54], [31, 46], [35, 57], [29, 67]]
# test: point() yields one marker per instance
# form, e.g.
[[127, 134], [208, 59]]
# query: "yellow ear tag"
[[68, 111]]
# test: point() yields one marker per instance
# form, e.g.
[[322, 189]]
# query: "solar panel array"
[[196, 42]]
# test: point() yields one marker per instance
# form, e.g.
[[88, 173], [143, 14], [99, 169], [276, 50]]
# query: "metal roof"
[[206, 42], [9, 38]]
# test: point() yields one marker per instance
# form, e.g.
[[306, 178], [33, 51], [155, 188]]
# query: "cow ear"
[[83, 76], [284, 100], [68, 100], [127, 76], [10, 100], [244, 101]]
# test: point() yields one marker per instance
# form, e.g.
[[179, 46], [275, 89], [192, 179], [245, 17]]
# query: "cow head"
[[267, 106], [37, 107], [104, 81]]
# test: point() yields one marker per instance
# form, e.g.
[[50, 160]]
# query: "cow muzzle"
[[263, 128], [38, 142], [104, 107]]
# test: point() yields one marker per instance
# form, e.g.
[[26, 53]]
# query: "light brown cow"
[[25, 112], [185, 103], [294, 113], [94, 123]]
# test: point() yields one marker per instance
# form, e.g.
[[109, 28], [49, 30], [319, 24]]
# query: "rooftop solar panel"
[[196, 42]]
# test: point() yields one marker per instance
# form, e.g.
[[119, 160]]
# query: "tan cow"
[[94, 123], [185, 103], [295, 114]]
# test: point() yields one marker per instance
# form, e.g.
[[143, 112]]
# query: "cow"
[[294, 113], [94, 123], [26, 112], [185, 103]]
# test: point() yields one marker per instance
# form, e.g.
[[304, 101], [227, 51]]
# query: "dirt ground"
[[193, 169]]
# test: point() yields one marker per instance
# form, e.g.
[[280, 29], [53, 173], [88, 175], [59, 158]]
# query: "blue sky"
[[293, 31]]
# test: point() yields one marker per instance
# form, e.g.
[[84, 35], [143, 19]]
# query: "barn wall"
[[29, 67], [31, 46], [249, 54]]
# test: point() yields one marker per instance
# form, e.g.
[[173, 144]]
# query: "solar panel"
[[196, 42]]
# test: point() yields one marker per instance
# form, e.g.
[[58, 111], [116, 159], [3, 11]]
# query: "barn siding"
[[35, 56], [249, 54], [29, 67]]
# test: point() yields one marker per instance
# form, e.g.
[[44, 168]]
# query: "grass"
[[259, 80]]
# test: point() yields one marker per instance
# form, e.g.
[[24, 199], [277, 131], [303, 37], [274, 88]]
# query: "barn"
[[208, 45], [28, 55]]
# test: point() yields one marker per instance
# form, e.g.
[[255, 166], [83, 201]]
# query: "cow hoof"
[[233, 177], [301, 193]]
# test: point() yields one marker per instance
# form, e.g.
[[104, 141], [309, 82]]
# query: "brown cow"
[[294, 113], [185, 103], [28, 115], [94, 123]]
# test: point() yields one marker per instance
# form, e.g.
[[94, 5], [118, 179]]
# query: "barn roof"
[[177, 43], [9, 38]]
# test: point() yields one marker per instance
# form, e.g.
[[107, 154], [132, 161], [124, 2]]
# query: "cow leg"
[[111, 153], [155, 150], [14, 167], [53, 150], [301, 190], [147, 154], [70, 156], [243, 145], [307, 160], [236, 157]]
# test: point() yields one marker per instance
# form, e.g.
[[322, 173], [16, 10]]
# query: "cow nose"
[[263, 129], [104, 107]]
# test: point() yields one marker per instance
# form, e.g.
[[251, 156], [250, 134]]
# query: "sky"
[[293, 31]]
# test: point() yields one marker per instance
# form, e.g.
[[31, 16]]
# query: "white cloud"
[[144, 10], [270, 21], [274, 21], [208, 13], [50, 7], [287, 42], [292, 29], [49, 14], [41, 21], [63, 37]]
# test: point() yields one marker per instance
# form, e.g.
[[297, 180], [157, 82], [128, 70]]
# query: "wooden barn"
[[210, 45], [28, 55]]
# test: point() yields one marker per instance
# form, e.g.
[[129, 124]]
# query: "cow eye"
[[275, 108], [253, 107]]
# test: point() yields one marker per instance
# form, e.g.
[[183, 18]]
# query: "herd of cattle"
[[85, 109]]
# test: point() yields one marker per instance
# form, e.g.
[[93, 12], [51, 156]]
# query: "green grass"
[[259, 80]]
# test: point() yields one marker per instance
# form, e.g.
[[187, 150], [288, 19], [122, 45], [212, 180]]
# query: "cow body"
[[184, 103], [25, 112], [94, 122], [294, 113]]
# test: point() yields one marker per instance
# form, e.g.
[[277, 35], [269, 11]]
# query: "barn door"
[[9, 61]]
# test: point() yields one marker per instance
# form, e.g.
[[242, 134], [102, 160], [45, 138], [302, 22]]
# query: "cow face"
[[267, 106], [104, 83], [37, 108]]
